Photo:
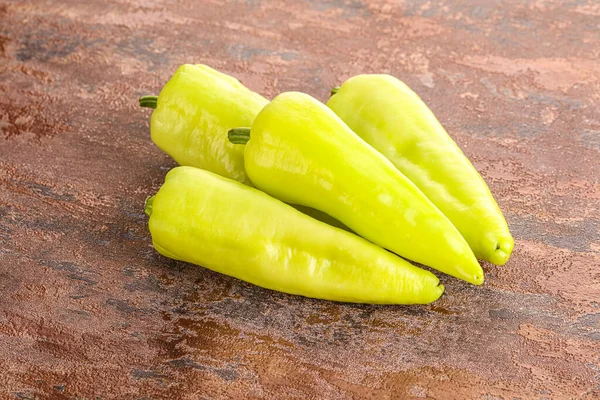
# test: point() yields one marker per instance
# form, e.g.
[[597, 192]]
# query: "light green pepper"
[[300, 152], [231, 228], [192, 112], [392, 118]]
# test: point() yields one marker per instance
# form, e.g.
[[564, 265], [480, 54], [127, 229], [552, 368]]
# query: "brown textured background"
[[89, 310]]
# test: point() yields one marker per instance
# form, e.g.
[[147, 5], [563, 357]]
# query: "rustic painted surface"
[[89, 310]]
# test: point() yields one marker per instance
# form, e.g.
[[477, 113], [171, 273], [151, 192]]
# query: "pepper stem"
[[239, 135], [148, 205], [335, 90], [148, 101]]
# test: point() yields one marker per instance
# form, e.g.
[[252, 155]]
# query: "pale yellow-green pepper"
[[231, 228], [392, 118]]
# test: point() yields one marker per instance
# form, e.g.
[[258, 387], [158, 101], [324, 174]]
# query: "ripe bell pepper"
[[192, 112], [392, 118], [300, 152], [223, 225]]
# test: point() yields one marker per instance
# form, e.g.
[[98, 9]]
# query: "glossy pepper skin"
[[231, 228], [194, 110], [392, 118], [192, 115], [300, 152]]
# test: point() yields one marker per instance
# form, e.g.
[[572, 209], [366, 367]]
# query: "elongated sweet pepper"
[[194, 109], [392, 118], [300, 152], [231, 228]]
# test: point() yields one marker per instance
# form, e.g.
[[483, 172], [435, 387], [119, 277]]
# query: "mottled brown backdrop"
[[88, 310]]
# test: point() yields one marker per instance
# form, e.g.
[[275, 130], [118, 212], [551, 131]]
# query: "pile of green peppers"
[[327, 201]]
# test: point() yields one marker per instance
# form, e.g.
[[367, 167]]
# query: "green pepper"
[[300, 152], [193, 110], [392, 118], [223, 225]]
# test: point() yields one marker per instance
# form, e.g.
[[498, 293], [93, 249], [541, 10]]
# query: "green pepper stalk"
[[149, 101], [223, 225], [239, 135], [392, 118], [300, 152]]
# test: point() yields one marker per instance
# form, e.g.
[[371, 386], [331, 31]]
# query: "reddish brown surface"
[[89, 310]]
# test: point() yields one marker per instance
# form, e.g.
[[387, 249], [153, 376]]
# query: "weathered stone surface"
[[89, 310]]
